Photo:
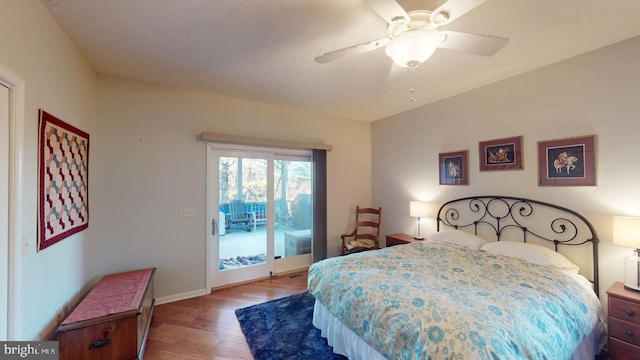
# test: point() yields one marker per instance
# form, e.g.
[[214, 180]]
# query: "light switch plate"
[[187, 212]]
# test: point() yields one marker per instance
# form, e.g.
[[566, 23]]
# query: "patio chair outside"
[[238, 216]]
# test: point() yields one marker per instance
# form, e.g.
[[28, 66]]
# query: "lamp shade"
[[413, 47], [419, 209], [626, 231]]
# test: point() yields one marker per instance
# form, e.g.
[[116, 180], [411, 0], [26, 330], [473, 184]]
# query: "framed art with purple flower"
[[454, 168], [567, 162]]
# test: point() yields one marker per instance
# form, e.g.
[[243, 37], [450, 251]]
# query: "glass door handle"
[[214, 227]]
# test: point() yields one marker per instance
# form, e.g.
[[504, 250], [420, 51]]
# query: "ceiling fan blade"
[[352, 50], [387, 9], [452, 10], [483, 45]]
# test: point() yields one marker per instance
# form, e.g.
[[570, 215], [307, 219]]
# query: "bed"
[[503, 278]]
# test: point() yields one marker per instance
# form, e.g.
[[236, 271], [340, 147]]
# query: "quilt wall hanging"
[[63, 183]]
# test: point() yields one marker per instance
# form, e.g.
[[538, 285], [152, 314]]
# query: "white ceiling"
[[263, 50]]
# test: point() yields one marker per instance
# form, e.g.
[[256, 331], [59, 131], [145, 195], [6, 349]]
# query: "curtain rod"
[[248, 140]]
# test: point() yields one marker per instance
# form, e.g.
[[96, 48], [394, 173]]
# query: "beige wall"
[[146, 163], [596, 93], [58, 80], [151, 163]]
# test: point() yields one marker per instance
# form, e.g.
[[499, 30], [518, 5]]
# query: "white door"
[[4, 210], [241, 248], [260, 210]]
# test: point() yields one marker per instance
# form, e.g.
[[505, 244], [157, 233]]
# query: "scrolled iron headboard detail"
[[502, 214]]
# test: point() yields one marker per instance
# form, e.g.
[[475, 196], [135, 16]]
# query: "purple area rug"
[[283, 329]]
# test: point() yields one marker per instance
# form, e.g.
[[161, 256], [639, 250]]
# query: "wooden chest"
[[112, 321]]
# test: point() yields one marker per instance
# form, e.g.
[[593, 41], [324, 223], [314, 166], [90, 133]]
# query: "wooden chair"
[[366, 235]]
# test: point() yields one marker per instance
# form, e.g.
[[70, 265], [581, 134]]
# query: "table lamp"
[[626, 232], [419, 209]]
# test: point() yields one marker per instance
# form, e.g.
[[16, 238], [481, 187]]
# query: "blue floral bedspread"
[[433, 301]]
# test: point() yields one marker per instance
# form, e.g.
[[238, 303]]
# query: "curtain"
[[319, 238]]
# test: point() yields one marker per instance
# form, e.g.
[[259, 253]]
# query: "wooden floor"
[[206, 327]]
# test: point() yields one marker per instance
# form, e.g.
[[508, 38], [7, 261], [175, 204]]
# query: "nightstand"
[[623, 323], [400, 239]]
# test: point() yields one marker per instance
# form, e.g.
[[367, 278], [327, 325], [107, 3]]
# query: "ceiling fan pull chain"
[[413, 85]]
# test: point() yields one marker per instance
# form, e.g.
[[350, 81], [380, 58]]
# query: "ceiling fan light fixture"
[[413, 47], [439, 18]]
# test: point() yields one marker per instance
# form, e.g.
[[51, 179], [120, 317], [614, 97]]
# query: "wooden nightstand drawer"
[[623, 323], [624, 310], [625, 331], [620, 350], [399, 239]]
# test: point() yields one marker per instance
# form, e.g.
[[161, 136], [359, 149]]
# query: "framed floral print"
[[454, 168]]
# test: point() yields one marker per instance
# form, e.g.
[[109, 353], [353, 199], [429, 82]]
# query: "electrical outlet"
[[26, 246], [187, 212]]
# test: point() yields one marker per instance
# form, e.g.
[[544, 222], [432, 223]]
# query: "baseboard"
[[201, 292], [181, 296]]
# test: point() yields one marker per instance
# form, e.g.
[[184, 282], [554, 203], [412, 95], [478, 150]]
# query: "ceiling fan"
[[414, 36]]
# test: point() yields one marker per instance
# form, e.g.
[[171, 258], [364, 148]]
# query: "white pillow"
[[457, 238], [533, 253]]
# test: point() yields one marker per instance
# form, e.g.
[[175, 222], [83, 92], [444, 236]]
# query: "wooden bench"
[[112, 321]]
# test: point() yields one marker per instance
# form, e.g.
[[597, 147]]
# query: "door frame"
[[15, 241]]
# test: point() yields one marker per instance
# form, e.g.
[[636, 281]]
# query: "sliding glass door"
[[260, 206], [292, 211]]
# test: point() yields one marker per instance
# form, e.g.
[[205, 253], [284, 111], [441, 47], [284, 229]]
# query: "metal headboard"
[[506, 215]]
